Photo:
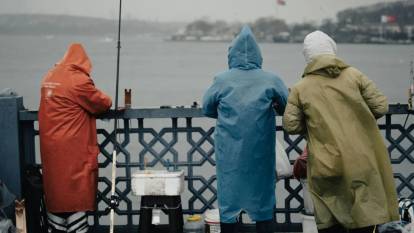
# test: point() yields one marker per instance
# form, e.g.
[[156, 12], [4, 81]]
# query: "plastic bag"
[[6, 225], [409, 228], [283, 166], [406, 209], [392, 227], [299, 167]]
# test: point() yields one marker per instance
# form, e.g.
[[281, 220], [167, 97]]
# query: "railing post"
[[11, 165]]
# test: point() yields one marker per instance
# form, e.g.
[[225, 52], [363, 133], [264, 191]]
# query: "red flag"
[[391, 18], [388, 18], [281, 2]]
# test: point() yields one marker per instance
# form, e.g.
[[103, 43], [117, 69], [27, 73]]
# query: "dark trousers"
[[265, 226], [341, 229], [229, 227]]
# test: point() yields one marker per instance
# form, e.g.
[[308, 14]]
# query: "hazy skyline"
[[187, 10]]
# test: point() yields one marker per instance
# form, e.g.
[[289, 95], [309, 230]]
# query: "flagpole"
[[114, 199], [278, 4], [277, 10]]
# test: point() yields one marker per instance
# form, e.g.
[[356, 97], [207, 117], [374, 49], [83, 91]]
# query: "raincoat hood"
[[77, 58], [244, 53], [326, 65], [317, 43]]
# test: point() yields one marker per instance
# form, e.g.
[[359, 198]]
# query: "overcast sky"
[[187, 10]]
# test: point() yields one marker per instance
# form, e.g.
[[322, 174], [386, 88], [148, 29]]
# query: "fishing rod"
[[411, 89], [114, 199], [410, 92]]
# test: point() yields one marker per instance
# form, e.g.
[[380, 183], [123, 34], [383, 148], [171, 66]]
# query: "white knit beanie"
[[318, 43]]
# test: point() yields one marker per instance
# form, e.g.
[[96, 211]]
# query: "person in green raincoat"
[[241, 100], [349, 171]]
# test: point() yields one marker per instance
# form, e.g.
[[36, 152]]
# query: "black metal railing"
[[183, 138]]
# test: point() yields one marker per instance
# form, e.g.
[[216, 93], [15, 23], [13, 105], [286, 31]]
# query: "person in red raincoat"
[[68, 141]]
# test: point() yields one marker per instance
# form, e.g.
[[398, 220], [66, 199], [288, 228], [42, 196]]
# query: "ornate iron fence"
[[182, 138]]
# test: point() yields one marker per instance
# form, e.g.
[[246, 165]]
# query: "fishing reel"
[[411, 88], [113, 203]]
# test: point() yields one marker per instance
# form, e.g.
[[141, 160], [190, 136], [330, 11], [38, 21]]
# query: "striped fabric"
[[406, 208], [67, 222]]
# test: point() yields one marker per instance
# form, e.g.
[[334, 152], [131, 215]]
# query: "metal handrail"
[[192, 162], [177, 112]]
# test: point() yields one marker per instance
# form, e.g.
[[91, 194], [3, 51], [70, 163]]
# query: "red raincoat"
[[67, 128]]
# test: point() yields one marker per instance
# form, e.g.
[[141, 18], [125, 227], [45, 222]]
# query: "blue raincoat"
[[241, 100]]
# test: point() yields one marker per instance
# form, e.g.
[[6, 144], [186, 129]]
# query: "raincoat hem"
[[262, 216], [356, 226]]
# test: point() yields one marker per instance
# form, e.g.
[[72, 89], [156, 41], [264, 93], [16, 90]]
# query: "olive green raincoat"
[[349, 170]]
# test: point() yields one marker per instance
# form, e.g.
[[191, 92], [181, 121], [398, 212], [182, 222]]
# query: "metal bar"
[[133, 113], [178, 112]]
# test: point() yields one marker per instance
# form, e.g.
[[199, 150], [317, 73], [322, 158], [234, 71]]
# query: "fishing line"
[[406, 119]]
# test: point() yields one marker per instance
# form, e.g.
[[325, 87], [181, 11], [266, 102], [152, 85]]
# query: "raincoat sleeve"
[[376, 101], [294, 118], [280, 96], [211, 100], [89, 97]]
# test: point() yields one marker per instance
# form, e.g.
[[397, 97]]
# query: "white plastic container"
[[157, 183], [307, 200], [212, 219], [309, 224], [194, 224]]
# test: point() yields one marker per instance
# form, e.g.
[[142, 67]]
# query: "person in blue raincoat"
[[241, 99]]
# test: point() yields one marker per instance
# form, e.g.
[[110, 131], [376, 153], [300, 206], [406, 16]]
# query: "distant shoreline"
[[288, 42], [49, 24], [111, 39], [269, 30]]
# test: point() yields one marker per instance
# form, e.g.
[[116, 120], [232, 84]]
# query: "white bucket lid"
[[212, 216], [157, 174]]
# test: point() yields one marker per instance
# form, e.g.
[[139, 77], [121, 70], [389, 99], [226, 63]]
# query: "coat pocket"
[[326, 171], [326, 162]]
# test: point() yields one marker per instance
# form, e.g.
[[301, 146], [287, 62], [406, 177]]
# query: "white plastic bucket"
[[307, 200], [309, 224], [212, 220], [157, 182]]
